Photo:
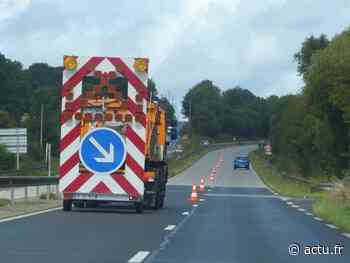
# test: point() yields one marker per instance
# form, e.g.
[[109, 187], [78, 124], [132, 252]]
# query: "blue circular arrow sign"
[[102, 150]]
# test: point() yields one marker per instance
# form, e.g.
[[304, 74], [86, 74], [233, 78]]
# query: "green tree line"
[[309, 131]]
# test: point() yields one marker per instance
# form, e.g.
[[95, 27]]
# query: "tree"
[[6, 121], [7, 159], [152, 88], [202, 105], [169, 109], [309, 47], [328, 86]]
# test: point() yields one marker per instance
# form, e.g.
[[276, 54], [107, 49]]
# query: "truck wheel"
[[161, 204], [67, 205], [139, 207], [157, 198], [78, 204], [91, 204]]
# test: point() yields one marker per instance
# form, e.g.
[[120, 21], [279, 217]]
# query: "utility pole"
[[17, 150], [41, 128], [190, 117]]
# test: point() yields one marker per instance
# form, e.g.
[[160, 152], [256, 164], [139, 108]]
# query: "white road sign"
[[14, 139]]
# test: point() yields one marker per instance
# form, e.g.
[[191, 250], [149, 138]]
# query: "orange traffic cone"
[[194, 196], [201, 185], [211, 178]]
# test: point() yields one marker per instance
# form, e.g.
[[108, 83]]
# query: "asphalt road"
[[239, 220]]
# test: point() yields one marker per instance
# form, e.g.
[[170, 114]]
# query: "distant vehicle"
[[172, 133], [241, 162], [179, 149], [205, 142]]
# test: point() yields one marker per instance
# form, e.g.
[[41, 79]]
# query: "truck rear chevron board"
[[108, 125]]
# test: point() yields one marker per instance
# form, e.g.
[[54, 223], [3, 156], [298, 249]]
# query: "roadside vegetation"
[[335, 206], [277, 179], [4, 202], [332, 206]]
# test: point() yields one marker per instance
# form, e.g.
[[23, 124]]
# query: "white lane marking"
[[209, 190], [30, 214], [301, 209], [295, 206], [139, 257], [308, 214], [170, 227], [290, 203], [346, 235], [185, 213], [201, 200], [331, 226], [243, 195], [317, 218], [275, 193], [195, 205]]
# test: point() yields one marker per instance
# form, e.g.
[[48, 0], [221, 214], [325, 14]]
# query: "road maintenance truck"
[[113, 134]]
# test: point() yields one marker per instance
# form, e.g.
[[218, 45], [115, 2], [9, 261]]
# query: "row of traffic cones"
[[194, 198]]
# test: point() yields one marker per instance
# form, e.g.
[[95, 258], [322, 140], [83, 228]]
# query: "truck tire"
[[139, 207], [157, 201], [67, 205], [78, 204], [161, 204]]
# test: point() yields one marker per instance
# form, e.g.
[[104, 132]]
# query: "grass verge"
[[338, 213], [4, 202], [326, 204], [273, 179]]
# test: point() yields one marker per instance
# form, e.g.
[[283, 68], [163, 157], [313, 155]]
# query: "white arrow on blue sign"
[[102, 150]]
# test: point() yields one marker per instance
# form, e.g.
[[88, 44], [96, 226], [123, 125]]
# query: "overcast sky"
[[231, 42]]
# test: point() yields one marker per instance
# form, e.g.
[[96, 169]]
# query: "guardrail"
[[23, 181], [314, 186], [10, 183]]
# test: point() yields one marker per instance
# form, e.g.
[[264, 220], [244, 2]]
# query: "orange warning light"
[[141, 64], [70, 63]]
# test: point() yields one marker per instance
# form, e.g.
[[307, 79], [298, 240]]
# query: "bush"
[[52, 196], [7, 159]]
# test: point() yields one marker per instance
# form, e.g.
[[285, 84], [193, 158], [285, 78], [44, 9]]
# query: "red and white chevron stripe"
[[131, 182]]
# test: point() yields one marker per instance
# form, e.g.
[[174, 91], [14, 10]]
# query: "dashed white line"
[[170, 227], [185, 213], [317, 218], [201, 200], [331, 226], [290, 203], [346, 235], [30, 214], [308, 214], [139, 257], [295, 206], [195, 205], [301, 209]]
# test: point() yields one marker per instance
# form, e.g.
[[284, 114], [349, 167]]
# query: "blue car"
[[241, 162]]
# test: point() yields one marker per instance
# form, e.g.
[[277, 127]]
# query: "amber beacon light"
[[141, 64], [70, 63]]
